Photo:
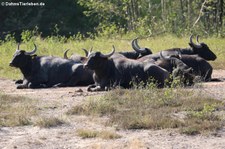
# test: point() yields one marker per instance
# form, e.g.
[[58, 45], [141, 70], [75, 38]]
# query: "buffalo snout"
[[11, 64]]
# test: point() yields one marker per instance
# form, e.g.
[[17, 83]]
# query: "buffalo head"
[[202, 49], [21, 57], [96, 59], [85, 51]]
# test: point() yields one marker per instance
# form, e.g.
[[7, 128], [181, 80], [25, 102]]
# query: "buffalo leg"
[[36, 85], [23, 86], [89, 88], [95, 89], [20, 81]]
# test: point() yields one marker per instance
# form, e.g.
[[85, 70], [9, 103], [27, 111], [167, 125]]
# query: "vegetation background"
[[76, 24], [108, 18]]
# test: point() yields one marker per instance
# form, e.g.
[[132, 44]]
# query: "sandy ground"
[[58, 101]]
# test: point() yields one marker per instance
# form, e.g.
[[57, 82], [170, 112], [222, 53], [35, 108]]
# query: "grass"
[[47, 122], [188, 111], [85, 133], [16, 111], [56, 46], [22, 111]]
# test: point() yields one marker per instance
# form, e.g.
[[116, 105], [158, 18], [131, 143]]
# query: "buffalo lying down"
[[120, 71], [200, 49], [47, 71], [77, 58]]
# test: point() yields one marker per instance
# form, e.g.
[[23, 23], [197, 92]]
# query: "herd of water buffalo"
[[101, 71]]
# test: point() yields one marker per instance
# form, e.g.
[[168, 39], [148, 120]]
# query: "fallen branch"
[[200, 13]]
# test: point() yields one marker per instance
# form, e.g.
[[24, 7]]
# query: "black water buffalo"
[[77, 58], [120, 71], [199, 66], [47, 71], [200, 49], [177, 68], [137, 53]]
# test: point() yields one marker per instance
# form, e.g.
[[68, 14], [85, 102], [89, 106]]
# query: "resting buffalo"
[[200, 67], [77, 58], [200, 49], [177, 68], [120, 71], [137, 53], [47, 71]]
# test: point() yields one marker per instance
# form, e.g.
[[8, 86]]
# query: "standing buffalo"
[[110, 72], [47, 71]]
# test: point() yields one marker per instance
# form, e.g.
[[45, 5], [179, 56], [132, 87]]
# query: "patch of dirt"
[[59, 100]]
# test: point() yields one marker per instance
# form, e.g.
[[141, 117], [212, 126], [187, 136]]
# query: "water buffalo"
[[200, 49], [138, 52], [200, 67], [177, 68], [120, 71], [48, 71], [77, 58]]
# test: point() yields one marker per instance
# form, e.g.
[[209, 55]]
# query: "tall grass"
[[57, 45]]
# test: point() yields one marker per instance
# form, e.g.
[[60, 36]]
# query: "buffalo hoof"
[[60, 85], [19, 81], [89, 89], [22, 86], [95, 89], [34, 86]]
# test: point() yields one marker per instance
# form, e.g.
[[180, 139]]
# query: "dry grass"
[[16, 111], [190, 112], [85, 133], [47, 122]]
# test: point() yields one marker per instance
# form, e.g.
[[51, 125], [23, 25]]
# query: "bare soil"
[[55, 102]]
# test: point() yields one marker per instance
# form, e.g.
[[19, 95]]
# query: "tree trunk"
[[221, 4], [189, 13], [162, 9], [182, 11]]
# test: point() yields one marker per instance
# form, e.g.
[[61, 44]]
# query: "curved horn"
[[85, 51], [88, 52], [33, 51], [195, 45], [136, 47], [65, 54], [91, 50], [108, 55], [18, 47], [197, 39], [136, 43], [191, 39]]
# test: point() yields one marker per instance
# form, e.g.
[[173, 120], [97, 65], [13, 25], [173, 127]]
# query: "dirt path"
[[58, 101]]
